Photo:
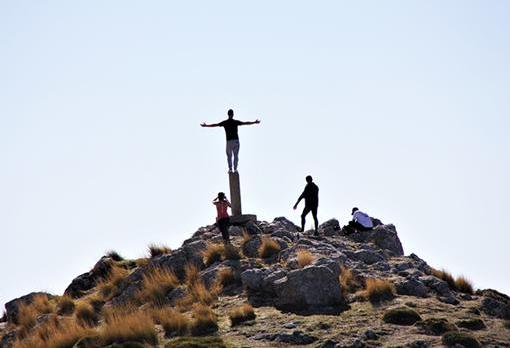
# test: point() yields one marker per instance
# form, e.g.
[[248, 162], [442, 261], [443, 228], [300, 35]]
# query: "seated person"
[[360, 222]]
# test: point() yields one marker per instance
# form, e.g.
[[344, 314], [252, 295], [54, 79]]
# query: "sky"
[[398, 107]]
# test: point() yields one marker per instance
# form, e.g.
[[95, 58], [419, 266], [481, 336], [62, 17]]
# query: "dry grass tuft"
[[213, 253], [464, 285], [173, 322], [446, 276], [230, 252], [200, 293], [115, 256], [304, 258], [348, 281], [86, 315], [65, 305], [204, 320], [241, 314], [157, 282], [268, 248], [125, 326], [379, 290], [158, 250], [225, 277], [28, 313], [191, 274], [109, 287], [142, 262]]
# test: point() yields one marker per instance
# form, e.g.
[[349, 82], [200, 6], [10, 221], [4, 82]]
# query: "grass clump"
[[191, 274], [204, 320], [348, 281], [115, 256], [471, 324], [157, 282], [158, 250], [65, 305], [230, 252], [213, 253], [241, 314], [436, 326], [28, 313], [464, 285], [379, 290], [452, 339], [109, 286], [304, 258], [446, 276], [197, 342], [122, 326], [225, 277], [200, 293], [174, 323], [268, 248], [401, 316], [86, 315]]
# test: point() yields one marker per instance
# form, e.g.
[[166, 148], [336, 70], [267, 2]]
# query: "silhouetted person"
[[233, 145], [311, 197], [223, 219], [360, 222]]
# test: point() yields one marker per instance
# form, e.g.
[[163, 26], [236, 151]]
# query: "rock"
[[438, 285], [333, 265], [297, 338], [176, 294], [290, 325], [252, 278], [328, 344], [251, 247], [367, 256], [495, 304], [81, 284], [188, 254], [330, 228], [12, 307], [313, 289], [7, 340], [284, 223], [384, 236], [418, 344], [370, 335], [411, 287], [281, 233]]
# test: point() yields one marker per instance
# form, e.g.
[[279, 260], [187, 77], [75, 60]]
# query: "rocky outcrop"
[[81, 284], [12, 307], [495, 304], [384, 236]]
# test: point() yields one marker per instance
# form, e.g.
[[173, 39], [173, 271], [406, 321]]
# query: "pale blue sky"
[[398, 107]]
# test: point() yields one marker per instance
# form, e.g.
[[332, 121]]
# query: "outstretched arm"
[[299, 200], [203, 124], [248, 123]]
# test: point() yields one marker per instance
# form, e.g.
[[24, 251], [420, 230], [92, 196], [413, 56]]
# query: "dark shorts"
[[309, 209]]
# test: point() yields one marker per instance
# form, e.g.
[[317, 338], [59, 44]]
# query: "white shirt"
[[363, 219]]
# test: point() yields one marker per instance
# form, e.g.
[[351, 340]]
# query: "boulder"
[[495, 304], [411, 287], [313, 289], [384, 236], [330, 228], [12, 307], [81, 284], [251, 247], [188, 254]]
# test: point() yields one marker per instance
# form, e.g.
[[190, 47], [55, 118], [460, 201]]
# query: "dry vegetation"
[[304, 258], [225, 277], [191, 274], [109, 287], [213, 253], [157, 282], [204, 320], [86, 315], [158, 250], [230, 252], [173, 322], [28, 313], [268, 248], [137, 326], [464, 285], [115, 256], [348, 281], [379, 290], [461, 284], [446, 276], [241, 314], [65, 305]]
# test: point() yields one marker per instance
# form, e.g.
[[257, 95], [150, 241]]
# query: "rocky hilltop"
[[273, 287]]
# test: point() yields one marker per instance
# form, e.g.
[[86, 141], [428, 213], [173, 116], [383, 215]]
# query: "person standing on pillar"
[[311, 197], [223, 219], [233, 145]]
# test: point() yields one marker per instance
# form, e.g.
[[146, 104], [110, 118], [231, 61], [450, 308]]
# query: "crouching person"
[[360, 222], [223, 219]]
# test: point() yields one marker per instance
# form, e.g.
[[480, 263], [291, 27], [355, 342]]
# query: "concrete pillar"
[[235, 193]]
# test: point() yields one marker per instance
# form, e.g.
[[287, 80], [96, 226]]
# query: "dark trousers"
[[354, 226], [223, 225], [314, 214]]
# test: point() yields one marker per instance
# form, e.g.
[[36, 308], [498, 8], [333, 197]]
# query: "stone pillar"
[[235, 193]]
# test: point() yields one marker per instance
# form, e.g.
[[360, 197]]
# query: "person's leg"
[[235, 149], [229, 154], [314, 213], [223, 226], [303, 218]]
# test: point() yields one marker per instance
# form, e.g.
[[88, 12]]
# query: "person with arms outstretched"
[[233, 144], [311, 197], [223, 219]]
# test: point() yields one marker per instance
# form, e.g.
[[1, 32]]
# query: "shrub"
[[401, 316], [191, 274], [268, 248], [173, 322], [463, 284], [115, 256], [65, 305], [213, 253], [348, 281], [451, 339], [446, 276], [204, 320], [231, 252], [225, 277], [137, 326], [158, 250], [197, 342], [472, 324], [201, 294], [304, 258], [379, 290], [86, 315], [436, 326], [109, 287], [241, 314], [157, 282]]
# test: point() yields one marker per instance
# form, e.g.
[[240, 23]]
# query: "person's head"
[[230, 113], [221, 196], [309, 179], [354, 210]]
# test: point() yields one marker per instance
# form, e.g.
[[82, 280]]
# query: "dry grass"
[[464, 285], [446, 276], [115, 256], [379, 290], [348, 281], [173, 322], [158, 250], [225, 277], [204, 320], [304, 258], [142, 262], [86, 315], [241, 314], [230, 252], [268, 248], [109, 287], [65, 305], [191, 274], [157, 282], [200, 293], [124, 326], [213, 253], [28, 313]]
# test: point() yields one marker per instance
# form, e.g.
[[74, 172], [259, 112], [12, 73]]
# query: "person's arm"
[[248, 123], [299, 199], [203, 124]]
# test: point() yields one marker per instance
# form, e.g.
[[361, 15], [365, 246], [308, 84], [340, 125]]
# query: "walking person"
[[233, 144], [311, 197], [223, 219]]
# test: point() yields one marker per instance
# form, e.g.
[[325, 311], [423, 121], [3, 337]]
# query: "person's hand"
[[295, 206], [203, 124], [257, 121]]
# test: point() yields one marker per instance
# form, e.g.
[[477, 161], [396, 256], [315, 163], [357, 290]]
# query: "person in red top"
[[223, 219]]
